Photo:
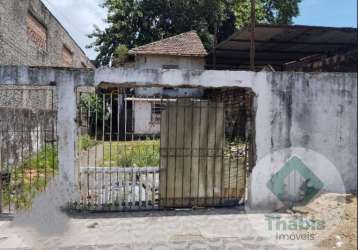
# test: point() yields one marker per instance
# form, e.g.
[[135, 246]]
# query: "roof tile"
[[185, 44]]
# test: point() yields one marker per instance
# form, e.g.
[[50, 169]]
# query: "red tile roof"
[[185, 44]]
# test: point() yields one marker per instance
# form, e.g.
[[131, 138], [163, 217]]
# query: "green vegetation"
[[97, 106], [132, 23], [30, 177], [86, 142], [132, 154], [120, 55], [144, 153]]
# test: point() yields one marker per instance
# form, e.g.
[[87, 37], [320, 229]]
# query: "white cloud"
[[78, 18]]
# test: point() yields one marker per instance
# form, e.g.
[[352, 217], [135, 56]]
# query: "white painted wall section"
[[142, 119], [158, 61]]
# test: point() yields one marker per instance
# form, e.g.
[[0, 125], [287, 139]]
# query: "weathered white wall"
[[316, 111], [313, 111], [36, 97], [157, 62], [142, 119], [66, 127], [171, 92]]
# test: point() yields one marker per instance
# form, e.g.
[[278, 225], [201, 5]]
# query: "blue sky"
[[79, 16], [336, 13]]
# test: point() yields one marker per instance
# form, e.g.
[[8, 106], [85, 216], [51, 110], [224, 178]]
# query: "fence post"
[[66, 126]]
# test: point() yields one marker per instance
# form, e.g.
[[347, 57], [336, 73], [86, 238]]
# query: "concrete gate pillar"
[[66, 125]]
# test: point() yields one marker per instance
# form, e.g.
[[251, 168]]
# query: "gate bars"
[[199, 166], [117, 168], [140, 152], [28, 144], [132, 152]]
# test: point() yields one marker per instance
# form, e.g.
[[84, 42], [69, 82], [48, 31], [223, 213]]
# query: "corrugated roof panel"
[[279, 44]]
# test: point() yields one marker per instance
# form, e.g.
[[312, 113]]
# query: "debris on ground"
[[340, 214], [92, 225]]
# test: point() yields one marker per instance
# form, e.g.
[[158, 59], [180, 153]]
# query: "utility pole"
[[215, 41], [252, 39]]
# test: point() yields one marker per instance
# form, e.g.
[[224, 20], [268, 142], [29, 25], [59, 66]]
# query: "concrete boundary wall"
[[317, 111]]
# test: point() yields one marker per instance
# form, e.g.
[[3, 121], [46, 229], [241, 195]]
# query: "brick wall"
[[31, 35]]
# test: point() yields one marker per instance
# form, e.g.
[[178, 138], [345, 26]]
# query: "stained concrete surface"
[[186, 229], [206, 229]]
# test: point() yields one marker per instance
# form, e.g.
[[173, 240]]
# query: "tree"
[[120, 55], [267, 11], [136, 22]]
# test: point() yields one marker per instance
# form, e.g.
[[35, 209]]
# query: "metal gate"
[[149, 151], [118, 169], [196, 168], [28, 144]]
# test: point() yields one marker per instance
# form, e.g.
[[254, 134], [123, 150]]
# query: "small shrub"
[[131, 154], [86, 142]]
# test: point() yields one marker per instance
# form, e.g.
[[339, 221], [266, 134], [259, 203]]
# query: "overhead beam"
[[258, 60], [128, 77], [40, 76], [271, 51], [292, 43], [240, 66]]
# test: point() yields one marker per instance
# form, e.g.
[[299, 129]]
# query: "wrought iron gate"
[[133, 151], [28, 144], [118, 169], [154, 151]]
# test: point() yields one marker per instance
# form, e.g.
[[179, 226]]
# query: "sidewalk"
[[206, 229], [44, 228]]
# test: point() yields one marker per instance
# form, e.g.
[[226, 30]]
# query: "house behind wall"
[[183, 51]]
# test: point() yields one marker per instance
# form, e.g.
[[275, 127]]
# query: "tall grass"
[[86, 142], [132, 154], [30, 177]]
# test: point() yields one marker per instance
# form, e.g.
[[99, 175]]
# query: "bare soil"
[[345, 234], [340, 214]]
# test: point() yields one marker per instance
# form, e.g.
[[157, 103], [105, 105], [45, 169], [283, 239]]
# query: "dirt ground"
[[340, 214], [345, 234]]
